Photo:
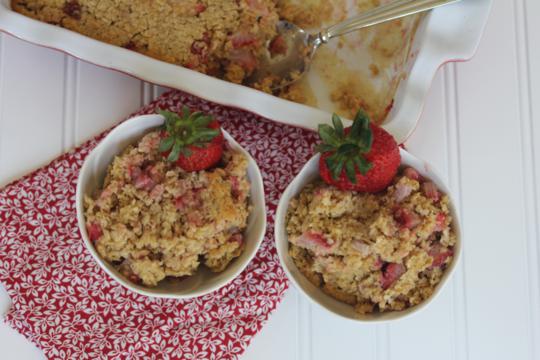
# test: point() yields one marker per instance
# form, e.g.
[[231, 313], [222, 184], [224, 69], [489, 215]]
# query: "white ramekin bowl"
[[204, 281], [308, 174]]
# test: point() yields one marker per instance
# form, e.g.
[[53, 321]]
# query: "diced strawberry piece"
[[130, 45], [195, 218], [94, 231], [134, 278], [242, 39], [144, 181], [439, 256], [411, 174], [440, 222], [157, 192], [402, 192], [258, 7], [391, 273], [134, 171], [141, 179], [105, 194], [180, 203], [430, 190], [406, 218], [199, 8], [72, 9], [198, 47], [189, 199], [206, 38], [238, 238], [378, 264], [244, 58], [235, 186], [192, 64], [154, 173], [315, 242], [278, 46]]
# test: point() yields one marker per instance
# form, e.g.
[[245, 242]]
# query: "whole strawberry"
[[193, 141], [363, 157]]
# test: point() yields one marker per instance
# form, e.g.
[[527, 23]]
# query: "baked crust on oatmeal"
[[153, 220], [218, 37], [378, 252]]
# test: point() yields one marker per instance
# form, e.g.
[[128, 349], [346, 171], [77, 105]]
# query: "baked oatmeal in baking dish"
[[379, 252], [224, 38], [153, 219]]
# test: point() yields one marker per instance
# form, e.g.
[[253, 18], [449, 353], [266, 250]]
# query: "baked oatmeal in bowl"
[[169, 209], [369, 256]]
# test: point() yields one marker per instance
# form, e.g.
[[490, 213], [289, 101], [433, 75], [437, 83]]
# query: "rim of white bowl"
[[101, 262], [282, 244]]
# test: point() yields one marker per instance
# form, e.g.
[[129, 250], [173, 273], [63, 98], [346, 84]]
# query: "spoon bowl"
[[285, 68], [276, 70]]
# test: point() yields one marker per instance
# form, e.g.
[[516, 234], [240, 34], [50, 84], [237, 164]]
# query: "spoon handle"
[[391, 11]]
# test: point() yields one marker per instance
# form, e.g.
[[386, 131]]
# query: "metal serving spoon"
[[301, 46]]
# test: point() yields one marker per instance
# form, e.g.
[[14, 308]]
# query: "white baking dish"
[[447, 34]]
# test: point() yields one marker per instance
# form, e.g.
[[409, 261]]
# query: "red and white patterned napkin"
[[70, 308]]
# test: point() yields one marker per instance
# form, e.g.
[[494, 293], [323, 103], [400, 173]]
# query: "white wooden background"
[[481, 129]]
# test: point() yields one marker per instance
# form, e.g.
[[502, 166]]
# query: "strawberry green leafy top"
[[347, 146], [191, 128]]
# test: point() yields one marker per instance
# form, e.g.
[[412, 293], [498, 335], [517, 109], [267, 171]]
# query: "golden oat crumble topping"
[[153, 220], [378, 252]]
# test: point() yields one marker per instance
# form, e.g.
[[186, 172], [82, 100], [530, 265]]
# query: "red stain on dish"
[[388, 108]]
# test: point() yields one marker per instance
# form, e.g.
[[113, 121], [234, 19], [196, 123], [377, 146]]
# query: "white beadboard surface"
[[480, 128]]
